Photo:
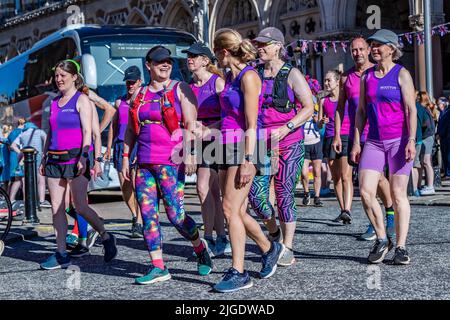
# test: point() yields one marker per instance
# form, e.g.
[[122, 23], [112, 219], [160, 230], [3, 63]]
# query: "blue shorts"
[[117, 155]]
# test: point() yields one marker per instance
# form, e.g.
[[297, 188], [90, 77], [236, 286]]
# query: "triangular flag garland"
[[302, 45]]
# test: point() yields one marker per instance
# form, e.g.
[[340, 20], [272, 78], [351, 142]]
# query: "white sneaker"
[[427, 191]]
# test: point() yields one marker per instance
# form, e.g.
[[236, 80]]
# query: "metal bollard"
[[30, 184]]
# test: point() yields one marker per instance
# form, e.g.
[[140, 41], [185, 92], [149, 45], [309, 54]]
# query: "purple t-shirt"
[[352, 89], [123, 112], [65, 126], [269, 118], [208, 111], [155, 143], [384, 106], [233, 114]]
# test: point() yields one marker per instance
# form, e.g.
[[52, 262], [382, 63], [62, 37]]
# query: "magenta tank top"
[[123, 113], [65, 126], [232, 102], [208, 111], [352, 89], [329, 110], [384, 106], [269, 118], [155, 144]]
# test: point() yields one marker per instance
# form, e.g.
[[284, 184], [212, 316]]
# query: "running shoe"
[[416, 193], [270, 259], [287, 258], [346, 217], [339, 217], [401, 256], [234, 281], [369, 235], [223, 246], [153, 275], [379, 250], [204, 262], [325, 191], [71, 241], [56, 261], [427, 191], [110, 248], [91, 238], [390, 224], [79, 251], [210, 245], [306, 199], [318, 202], [45, 204], [136, 230]]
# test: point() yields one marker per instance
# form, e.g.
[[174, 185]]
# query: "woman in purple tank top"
[[240, 102], [160, 172], [282, 121], [116, 137], [66, 161], [341, 171], [207, 84], [387, 102]]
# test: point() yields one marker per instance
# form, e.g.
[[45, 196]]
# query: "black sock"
[[276, 234]]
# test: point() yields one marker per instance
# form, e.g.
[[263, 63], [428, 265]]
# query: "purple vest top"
[[123, 113], [329, 110], [155, 144], [65, 126], [208, 110], [232, 102], [352, 89], [384, 106], [269, 118]]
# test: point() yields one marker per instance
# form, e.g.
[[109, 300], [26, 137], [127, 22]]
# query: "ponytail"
[[214, 70]]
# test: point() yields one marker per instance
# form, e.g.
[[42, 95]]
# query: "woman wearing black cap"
[[155, 117], [207, 84], [116, 133]]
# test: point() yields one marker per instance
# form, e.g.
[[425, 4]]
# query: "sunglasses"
[[192, 55], [263, 44]]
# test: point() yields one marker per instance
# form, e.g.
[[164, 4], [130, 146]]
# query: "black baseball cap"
[[158, 53], [132, 73], [201, 49]]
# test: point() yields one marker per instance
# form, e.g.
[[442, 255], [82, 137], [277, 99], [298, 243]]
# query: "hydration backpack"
[[280, 98]]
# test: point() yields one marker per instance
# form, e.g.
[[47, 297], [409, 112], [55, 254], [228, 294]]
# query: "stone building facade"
[[298, 19]]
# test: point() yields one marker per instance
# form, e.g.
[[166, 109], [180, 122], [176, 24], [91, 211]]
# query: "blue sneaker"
[[223, 246], [153, 275], [416, 193], [204, 262], [369, 235], [56, 261], [390, 225], [270, 260], [110, 248], [71, 241], [234, 281]]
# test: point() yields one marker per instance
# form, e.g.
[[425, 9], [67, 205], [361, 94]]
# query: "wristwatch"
[[290, 125], [248, 157], [99, 159], [85, 155]]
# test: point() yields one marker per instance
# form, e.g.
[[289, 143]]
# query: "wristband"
[[125, 155]]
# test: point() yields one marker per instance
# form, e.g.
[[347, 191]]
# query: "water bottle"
[[106, 168]]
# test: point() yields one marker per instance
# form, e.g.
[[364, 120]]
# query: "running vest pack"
[[279, 93]]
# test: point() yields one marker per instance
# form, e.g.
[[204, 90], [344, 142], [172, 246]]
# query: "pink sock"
[[159, 263], [200, 248]]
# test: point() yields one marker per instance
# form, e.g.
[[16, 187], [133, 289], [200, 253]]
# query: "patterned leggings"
[[154, 182], [289, 169]]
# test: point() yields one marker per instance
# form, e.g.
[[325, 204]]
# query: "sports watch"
[[290, 126]]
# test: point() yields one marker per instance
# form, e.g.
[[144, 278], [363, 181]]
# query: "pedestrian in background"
[[16, 172]]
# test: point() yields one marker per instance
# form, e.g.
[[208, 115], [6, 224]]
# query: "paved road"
[[331, 264]]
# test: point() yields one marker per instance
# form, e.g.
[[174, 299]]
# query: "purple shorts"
[[376, 154]]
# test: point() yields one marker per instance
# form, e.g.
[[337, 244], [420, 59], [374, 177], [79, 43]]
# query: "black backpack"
[[279, 93]]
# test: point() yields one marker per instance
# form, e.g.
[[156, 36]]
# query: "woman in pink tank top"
[[340, 169], [160, 172], [207, 84], [66, 161], [387, 102]]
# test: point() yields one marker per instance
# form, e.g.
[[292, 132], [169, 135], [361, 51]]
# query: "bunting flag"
[[303, 44]]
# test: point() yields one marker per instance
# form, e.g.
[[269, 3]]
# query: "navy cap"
[[201, 49], [158, 53], [132, 73], [384, 36]]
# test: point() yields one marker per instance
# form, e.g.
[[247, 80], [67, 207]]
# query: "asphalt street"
[[331, 263]]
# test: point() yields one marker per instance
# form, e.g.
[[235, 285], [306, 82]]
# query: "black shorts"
[[65, 171], [233, 155], [208, 156], [328, 151], [314, 151]]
